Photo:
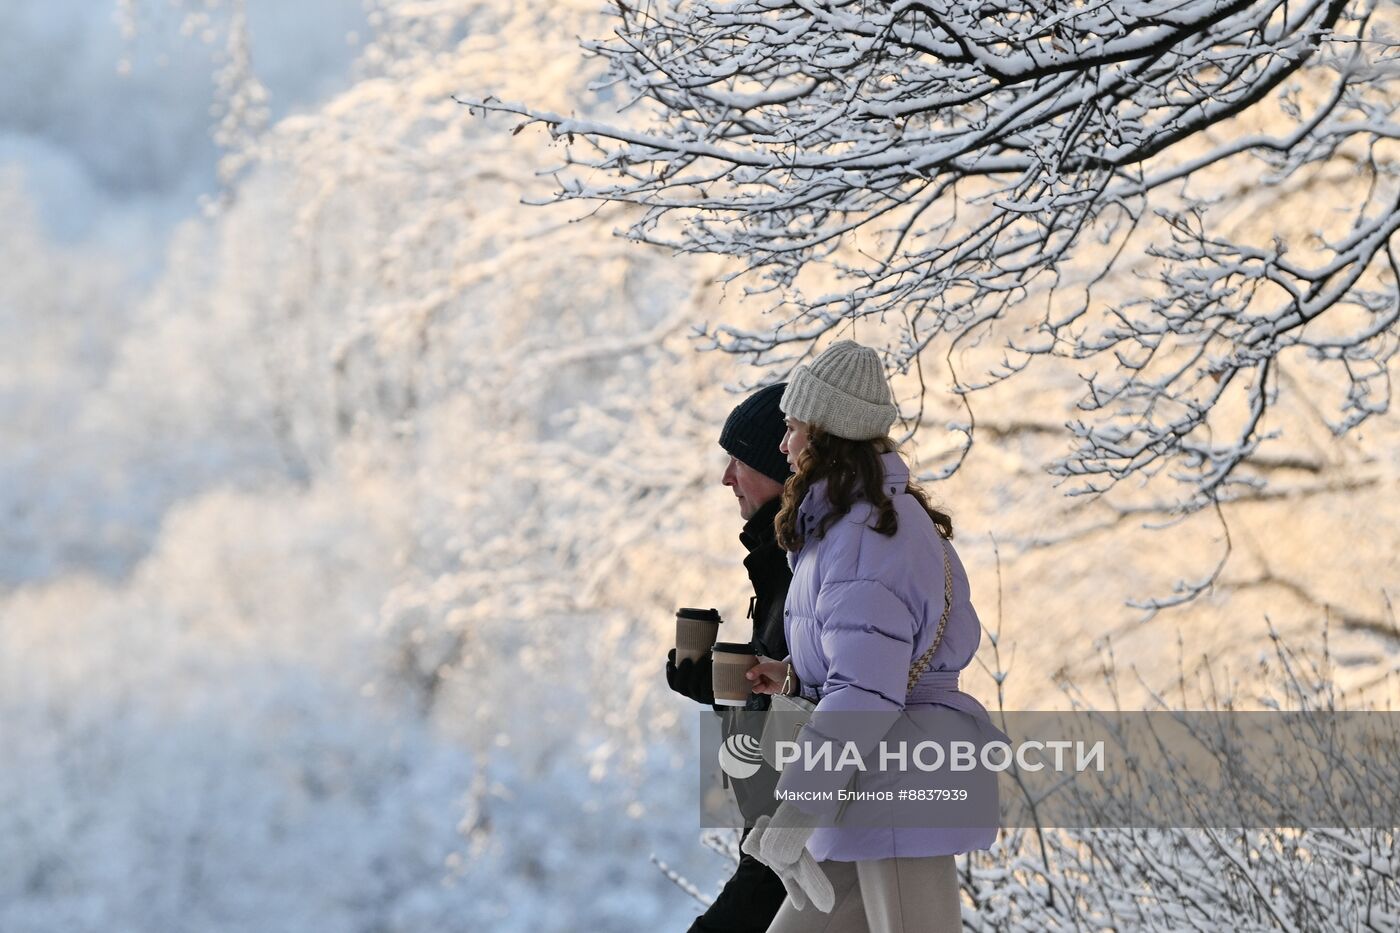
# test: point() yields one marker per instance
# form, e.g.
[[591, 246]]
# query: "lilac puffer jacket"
[[862, 607]]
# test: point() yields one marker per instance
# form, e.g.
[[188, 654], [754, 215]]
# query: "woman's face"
[[794, 441]]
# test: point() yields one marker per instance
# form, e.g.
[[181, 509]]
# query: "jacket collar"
[[758, 530], [816, 506]]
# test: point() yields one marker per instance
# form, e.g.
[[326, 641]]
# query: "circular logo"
[[740, 756]]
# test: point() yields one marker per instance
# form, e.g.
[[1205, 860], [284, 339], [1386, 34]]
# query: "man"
[[756, 472]]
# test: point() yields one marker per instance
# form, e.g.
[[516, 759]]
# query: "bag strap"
[[922, 664]]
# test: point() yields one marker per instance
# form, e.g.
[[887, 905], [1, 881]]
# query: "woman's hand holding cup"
[[767, 676]]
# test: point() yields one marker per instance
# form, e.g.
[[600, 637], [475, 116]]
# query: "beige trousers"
[[892, 895]]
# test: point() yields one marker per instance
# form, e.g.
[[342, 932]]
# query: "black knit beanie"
[[753, 431]]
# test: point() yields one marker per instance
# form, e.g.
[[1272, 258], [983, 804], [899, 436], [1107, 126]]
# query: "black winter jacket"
[[770, 576], [767, 565]]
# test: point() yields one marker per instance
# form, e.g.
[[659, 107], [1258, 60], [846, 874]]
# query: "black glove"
[[693, 679]]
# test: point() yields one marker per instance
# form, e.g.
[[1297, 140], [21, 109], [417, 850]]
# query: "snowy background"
[[346, 499]]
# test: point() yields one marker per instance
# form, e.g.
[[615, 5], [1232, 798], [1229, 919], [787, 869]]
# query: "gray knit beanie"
[[844, 392]]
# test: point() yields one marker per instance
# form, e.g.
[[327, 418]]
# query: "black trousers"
[[748, 902]]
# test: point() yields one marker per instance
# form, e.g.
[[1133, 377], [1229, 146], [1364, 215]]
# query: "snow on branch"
[[961, 171]]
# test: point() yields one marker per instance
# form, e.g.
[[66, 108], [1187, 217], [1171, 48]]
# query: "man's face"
[[753, 489]]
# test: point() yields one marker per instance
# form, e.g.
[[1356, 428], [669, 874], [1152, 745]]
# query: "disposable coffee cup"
[[696, 631], [732, 662]]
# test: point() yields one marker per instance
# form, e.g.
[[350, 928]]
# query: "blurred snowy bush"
[[389, 496]]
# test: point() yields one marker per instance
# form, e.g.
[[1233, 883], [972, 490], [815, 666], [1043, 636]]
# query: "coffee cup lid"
[[703, 615], [734, 647]]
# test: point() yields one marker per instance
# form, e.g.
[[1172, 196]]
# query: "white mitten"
[[781, 843]]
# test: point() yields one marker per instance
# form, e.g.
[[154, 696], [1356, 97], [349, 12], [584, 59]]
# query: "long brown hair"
[[853, 472]]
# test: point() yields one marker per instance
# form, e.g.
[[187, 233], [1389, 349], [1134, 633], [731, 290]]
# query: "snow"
[[344, 522]]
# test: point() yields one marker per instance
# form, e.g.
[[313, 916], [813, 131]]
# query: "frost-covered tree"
[[1181, 197], [394, 485], [405, 494], [1342, 877]]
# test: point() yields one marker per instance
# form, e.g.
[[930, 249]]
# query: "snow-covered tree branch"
[[1133, 185]]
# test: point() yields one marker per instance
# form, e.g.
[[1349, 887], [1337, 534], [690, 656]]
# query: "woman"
[[872, 573]]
